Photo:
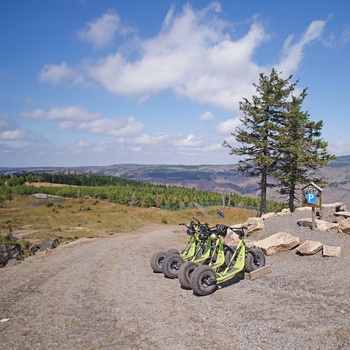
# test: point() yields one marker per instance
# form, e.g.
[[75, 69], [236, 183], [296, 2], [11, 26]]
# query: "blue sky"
[[101, 82]]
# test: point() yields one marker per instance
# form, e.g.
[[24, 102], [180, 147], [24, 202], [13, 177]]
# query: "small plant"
[[7, 240]]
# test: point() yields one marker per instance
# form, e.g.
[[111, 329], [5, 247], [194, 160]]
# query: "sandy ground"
[[102, 294]]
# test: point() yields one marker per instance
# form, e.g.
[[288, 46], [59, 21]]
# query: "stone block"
[[262, 271]]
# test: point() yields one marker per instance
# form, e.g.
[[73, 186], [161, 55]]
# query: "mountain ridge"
[[216, 178]]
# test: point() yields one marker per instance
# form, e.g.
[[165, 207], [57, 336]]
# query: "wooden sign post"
[[312, 197]]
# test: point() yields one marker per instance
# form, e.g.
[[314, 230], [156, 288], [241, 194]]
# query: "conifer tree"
[[257, 136], [301, 150], [277, 139]]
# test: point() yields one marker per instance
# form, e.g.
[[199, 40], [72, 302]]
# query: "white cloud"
[[82, 144], [228, 126], [293, 53], [345, 37], [18, 134], [9, 130], [191, 142], [151, 139], [102, 30], [70, 113], [196, 54], [339, 148], [206, 116], [112, 127], [58, 74], [192, 55], [66, 125]]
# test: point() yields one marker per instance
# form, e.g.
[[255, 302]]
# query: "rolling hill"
[[217, 178]]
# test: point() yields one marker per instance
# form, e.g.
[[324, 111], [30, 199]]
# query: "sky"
[[103, 82]]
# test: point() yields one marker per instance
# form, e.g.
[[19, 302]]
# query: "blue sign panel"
[[220, 213], [311, 197]]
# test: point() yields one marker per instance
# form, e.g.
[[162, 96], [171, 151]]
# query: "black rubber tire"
[[173, 251], [156, 261], [229, 250], [250, 264], [185, 272], [203, 280], [171, 265]]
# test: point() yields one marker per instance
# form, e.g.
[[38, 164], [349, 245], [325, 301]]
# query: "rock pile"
[[282, 241], [11, 253]]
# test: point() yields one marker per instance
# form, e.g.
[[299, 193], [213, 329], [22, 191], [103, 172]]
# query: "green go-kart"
[[172, 262], [216, 255], [204, 278], [193, 230]]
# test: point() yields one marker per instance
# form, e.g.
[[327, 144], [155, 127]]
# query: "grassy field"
[[71, 219]]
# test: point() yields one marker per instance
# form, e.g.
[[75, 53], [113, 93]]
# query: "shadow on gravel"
[[234, 280]]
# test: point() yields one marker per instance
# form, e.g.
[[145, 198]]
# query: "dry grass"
[[71, 219], [47, 184]]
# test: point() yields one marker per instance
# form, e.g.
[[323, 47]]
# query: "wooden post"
[[313, 218]]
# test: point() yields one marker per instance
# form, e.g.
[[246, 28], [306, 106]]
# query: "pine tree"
[[277, 139], [301, 150], [257, 136]]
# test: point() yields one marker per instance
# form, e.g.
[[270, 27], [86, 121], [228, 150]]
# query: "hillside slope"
[[218, 178]]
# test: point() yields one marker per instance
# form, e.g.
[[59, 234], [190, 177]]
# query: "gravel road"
[[102, 294]]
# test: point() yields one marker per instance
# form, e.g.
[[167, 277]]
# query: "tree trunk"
[[263, 192], [291, 198]]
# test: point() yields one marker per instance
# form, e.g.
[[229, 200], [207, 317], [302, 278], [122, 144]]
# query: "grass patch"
[[35, 220]]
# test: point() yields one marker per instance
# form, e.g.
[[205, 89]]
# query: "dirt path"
[[102, 294]]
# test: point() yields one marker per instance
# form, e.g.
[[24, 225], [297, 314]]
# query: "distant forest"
[[122, 191]]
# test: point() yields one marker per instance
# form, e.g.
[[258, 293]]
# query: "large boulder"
[[344, 226], [309, 248], [320, 225], [8, 252], [284, 212], [268, 215], [255, 225], [278, 242], [328, 210]]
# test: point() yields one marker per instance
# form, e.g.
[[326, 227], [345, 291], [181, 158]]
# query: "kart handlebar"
[[240, 231]]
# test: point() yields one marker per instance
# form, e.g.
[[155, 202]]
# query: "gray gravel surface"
[[102, 294]]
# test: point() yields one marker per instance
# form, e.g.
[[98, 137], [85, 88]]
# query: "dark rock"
[[47, 243], [34, 248], [8, 252]]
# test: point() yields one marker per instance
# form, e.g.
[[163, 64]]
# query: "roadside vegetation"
[[69, 219], [74, 206]]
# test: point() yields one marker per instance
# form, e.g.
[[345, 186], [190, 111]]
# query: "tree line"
[[121, 191]]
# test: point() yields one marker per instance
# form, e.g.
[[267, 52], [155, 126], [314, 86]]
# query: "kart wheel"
[[203, 280], [172, 251], [185, 272], [157, 261], [171, 265], [254, 261]]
